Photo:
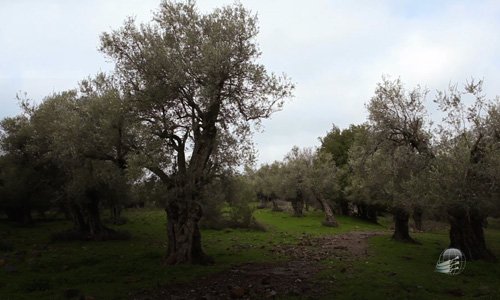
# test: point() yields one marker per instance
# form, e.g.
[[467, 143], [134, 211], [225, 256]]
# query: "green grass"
[[406, 271], [113, 269], [310, 224], [116, 269]]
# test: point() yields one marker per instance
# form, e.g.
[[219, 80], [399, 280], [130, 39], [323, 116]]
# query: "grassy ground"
[[396, 271], [36, 269]]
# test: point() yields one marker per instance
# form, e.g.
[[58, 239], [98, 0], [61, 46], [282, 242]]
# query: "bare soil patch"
[[296, 277]]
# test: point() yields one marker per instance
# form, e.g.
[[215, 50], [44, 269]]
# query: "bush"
[[240, 212], [226, 204], [213, 203]]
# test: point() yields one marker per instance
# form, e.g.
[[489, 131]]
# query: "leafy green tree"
[[28, 179], [112, 135], [294, 185], [324, 185], [268, 181], [367, 176], [464, 177], [226, 203], [493, 157], [337, 143], [15, 172], [308, 174], [89, 137], [400, 134], [197, 89]]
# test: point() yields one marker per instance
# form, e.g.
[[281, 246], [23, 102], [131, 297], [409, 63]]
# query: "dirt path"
[[271, 280]]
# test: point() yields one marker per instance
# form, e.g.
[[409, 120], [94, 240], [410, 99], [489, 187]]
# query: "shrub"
[[226, 204]]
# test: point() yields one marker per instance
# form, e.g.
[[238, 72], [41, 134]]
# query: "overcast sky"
[[335, 52]]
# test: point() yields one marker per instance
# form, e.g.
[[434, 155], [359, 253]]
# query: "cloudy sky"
[[335, 52]]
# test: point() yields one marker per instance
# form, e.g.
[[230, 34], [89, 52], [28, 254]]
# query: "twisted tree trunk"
[[401, 230], [95, 226], [87, 224], [298, 205], [329, 216], [467, 234], [183, 210], [183, 232]]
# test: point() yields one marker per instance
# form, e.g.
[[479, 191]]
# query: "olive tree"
[[309, 174], [294, 186], [337, 143], [90, 138], [465, 173], [324, 182], [197, 89], [368, 173], [268, 182], [110, 135], [400, 127], [28, 179], [493, 159]]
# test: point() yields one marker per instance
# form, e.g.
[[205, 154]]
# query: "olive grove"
[[194, 84], [172, 127]]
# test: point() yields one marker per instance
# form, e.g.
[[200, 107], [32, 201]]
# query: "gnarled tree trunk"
[[184, 238], [87, 222], [93, 218], [401, 230], [467, 234], [329, 216], [298, 205]]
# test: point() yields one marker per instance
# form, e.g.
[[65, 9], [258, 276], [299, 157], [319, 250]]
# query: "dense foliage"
[[172, 125]]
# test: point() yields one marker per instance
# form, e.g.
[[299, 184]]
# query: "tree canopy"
[[196, 88]]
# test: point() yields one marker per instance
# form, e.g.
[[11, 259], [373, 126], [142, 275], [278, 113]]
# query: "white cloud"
[[336, 51]]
